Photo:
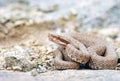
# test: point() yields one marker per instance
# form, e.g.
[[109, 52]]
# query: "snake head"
[[59, 39]]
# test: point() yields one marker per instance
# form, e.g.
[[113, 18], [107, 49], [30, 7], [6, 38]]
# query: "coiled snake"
[[82, 48]]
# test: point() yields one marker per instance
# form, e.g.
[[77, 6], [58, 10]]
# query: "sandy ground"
[[67, 75]]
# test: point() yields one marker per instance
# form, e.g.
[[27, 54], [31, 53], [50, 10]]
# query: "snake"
[[82, 48]]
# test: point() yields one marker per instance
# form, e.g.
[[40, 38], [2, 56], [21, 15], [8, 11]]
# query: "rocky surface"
[[66, 75]]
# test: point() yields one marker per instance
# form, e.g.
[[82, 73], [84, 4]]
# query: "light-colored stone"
[[118, 52], [109, 32]]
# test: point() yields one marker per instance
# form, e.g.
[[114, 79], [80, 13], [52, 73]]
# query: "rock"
[[13, 63], [109, 32], [34, 72], [25, 58], [118, 53], [9, 24], [118, 66], [48, 9], [19, 23], [16, 68], [117, 39], [17, 52], [109, 39]]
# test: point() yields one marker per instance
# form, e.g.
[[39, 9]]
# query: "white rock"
[[17, 23], [18, 52], [118, 52], [112, 32], [117, 39]]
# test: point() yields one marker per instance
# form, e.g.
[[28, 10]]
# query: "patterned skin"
[[82, 48]]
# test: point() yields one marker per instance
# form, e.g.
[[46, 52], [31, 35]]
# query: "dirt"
[[25, 34]]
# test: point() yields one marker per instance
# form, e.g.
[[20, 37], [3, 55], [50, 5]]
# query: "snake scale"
[[82, 48]]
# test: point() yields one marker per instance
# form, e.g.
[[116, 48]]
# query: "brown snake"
[[81, 48]]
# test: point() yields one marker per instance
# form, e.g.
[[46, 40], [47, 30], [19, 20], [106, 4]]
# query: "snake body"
[[81, 48]]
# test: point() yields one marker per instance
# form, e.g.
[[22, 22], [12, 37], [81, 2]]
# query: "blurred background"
[[79, 13], [21, 17]]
